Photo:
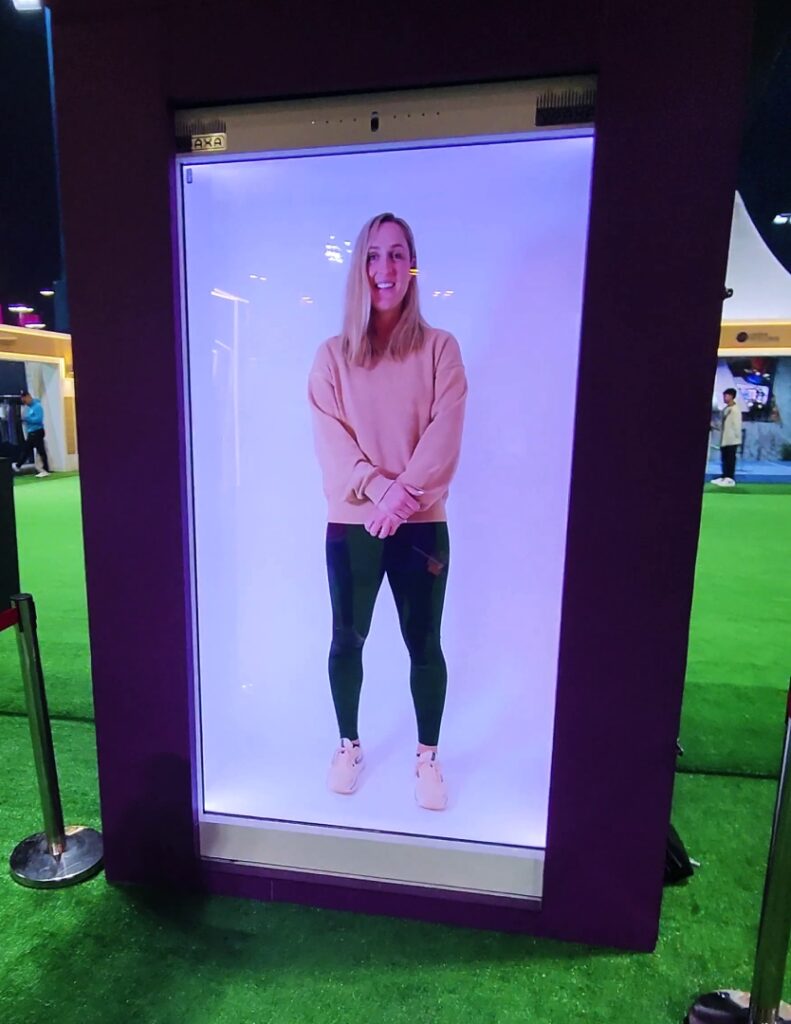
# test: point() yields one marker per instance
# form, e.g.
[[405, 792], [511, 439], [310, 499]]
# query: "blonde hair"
[[409, 333]]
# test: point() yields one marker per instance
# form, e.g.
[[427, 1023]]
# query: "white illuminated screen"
[[501, 234]]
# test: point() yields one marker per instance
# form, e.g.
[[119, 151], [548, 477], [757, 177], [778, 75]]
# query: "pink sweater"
[[394, 420]]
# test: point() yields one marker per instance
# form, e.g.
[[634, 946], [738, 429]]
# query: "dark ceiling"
[[29, 233]]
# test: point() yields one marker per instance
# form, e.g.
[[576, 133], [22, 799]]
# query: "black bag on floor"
[[677, 863]]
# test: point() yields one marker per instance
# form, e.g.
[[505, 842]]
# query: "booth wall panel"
[[671, 80]]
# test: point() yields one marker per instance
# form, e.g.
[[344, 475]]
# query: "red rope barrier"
[[8, 618]]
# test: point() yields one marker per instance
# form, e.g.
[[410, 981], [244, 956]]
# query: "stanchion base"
[[32, 864], [728, 1007]]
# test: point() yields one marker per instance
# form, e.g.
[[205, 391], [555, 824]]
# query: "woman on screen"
[[387, 397]]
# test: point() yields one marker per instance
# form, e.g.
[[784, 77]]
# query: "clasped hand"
[[397, 505]]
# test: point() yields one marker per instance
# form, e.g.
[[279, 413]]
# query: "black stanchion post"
[[762, 1005], [58, 856], [9, 562], [38, 719]]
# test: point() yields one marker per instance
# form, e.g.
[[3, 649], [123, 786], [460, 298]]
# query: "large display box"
[[549, 229]]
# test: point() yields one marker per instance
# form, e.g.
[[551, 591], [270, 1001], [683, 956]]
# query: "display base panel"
[[515, 872]]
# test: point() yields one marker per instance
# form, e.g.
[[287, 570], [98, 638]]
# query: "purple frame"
[[671, 84]]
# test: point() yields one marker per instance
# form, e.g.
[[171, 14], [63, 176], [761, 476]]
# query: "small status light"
[[782, 218]]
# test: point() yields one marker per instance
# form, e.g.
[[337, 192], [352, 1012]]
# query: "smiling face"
[[388, 265]]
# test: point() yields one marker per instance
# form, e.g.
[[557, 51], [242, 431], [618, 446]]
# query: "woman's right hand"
[[400, 501], [381, 524]]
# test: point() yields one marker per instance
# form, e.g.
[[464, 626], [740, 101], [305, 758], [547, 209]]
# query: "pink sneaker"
[[430, 789], [347, 763]]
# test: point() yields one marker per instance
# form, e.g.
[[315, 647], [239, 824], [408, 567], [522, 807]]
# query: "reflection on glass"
[[236, 300]]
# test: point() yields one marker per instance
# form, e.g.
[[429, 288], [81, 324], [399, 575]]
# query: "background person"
[[33, 418], [730, 439], [388, 398]]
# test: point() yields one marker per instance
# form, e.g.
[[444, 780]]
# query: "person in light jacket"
[[387, 397], [33, 418], [730, 439]]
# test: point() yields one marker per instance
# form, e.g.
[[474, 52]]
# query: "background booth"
[[41, 361], [668, 99], [755, 353]]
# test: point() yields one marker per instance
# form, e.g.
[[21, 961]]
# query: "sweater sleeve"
[[348, 474], [436, 454]]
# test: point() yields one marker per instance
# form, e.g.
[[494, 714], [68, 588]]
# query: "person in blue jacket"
[[33, 416]]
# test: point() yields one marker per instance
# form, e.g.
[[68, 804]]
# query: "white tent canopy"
[[761, 285]]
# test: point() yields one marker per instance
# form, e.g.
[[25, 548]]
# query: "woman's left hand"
[[382, 524], [400, 500]]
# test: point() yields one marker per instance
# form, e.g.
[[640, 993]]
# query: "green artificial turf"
[[739, 660], [52, 569], [740, 631], [740, 635], [732, 729], [95, 954]]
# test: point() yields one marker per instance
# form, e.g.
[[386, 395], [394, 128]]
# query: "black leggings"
[[415, 560], [34, 441], [728, 457]]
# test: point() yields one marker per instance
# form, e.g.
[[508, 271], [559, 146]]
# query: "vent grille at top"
[[569, 106], [186, 129]]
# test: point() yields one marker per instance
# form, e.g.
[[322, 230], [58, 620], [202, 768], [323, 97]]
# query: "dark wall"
[[765, 166], [29, 234], [12, 376]]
